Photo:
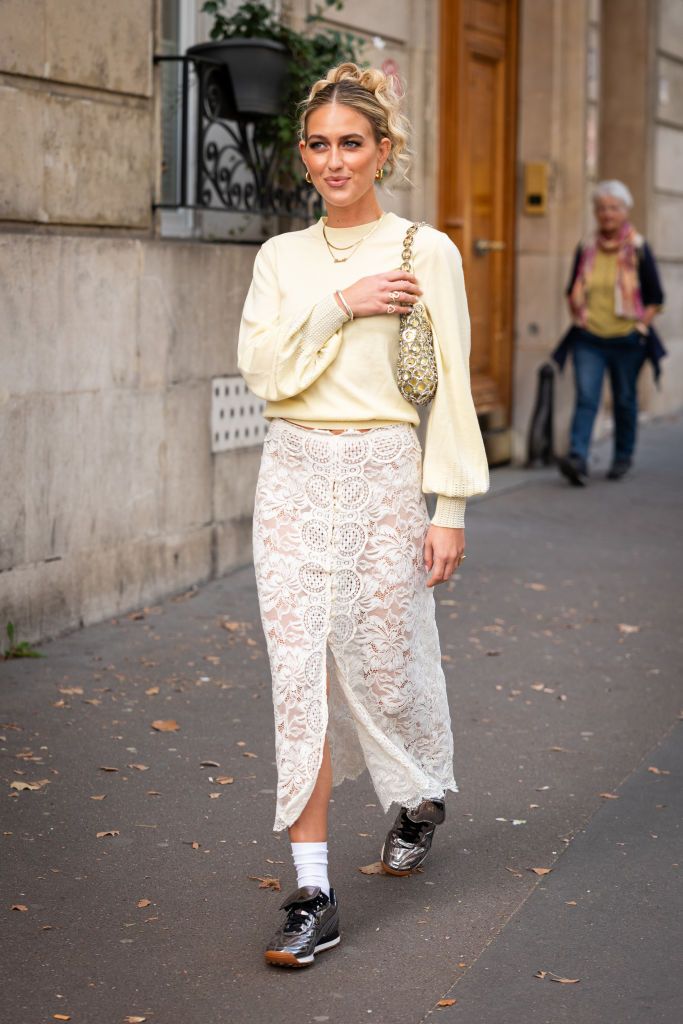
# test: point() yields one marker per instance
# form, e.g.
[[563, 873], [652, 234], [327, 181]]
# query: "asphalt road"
[[562, 650]]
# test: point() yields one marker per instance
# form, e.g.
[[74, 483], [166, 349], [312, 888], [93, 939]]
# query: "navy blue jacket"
[[651, 294]]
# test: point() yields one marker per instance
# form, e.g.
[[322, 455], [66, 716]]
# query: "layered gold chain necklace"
[[353, 246]]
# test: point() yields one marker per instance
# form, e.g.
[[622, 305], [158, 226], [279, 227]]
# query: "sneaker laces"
[[409, 830]]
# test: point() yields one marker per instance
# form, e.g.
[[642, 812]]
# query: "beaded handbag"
[[417, 374]]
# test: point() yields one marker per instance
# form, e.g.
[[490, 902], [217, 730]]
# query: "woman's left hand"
[[444, 550]]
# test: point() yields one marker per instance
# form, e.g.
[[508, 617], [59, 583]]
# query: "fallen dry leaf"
[[537, 686], [106, 768], [144, 903], [165, 724], [110, 832], [134, 1020], [515, 872], [61, 1016], [152, 691], [609, 796], [247, 753], [267, 882], [99, 796], [540, 871], [556, 977], [71, 690], [625, 628], [570, 903], [535, 586], [372, 869], [140, 767], [28, 785], [658, 771], [224, 780], [209, 764], [19, 906], [447, 1002]]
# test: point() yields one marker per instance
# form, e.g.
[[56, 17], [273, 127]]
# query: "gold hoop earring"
[[309, 179], [379, 173]]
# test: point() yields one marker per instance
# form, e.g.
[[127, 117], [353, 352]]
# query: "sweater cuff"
[[449, 511], [326, 319]]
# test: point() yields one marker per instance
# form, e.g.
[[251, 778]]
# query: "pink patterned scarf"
[[627, 298]]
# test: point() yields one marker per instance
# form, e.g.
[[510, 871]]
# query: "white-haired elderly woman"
[[614, 293]]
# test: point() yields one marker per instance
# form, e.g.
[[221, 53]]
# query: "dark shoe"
[[311, 925], [574, 468], [619, 468], [410, 838]]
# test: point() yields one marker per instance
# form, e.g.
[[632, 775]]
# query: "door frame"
[[453, 41]]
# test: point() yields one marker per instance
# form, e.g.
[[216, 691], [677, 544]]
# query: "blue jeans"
[[623, 358]]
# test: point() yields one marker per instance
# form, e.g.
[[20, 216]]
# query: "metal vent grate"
[[236, 415]]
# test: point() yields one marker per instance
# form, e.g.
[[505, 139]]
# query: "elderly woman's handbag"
[[416, 374]]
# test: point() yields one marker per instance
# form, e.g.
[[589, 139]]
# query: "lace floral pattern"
[[339, 527]]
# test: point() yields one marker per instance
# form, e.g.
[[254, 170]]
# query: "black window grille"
[[222, 164]]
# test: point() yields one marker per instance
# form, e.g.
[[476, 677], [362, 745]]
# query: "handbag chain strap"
[[407, 254]]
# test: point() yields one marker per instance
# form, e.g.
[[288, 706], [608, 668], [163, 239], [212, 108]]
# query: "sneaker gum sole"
[[395, 871], [281, 958]]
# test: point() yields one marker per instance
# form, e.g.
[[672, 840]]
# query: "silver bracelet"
[[345, 304]]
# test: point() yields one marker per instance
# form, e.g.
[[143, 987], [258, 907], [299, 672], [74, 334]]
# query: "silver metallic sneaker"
[[410, 838], [311, 925]]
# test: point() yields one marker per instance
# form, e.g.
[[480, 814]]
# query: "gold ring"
[[394, 295], [391, 309]]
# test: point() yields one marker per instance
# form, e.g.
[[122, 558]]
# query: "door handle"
[[484, 245]]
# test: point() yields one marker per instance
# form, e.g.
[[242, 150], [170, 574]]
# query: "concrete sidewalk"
[[562, 650]]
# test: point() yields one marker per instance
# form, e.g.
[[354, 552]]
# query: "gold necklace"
[[345, 248]]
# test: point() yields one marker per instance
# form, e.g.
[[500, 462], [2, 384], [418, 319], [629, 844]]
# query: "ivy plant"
[[312, 53]]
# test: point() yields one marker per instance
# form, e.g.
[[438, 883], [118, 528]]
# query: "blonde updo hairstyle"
[[371, 93]]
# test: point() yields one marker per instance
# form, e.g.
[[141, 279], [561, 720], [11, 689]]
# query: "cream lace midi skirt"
[[339, 527]]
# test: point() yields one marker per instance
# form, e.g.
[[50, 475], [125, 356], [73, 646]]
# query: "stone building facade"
[[116, 317]]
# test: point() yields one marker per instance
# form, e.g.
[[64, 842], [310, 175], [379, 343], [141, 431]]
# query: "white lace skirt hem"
[[339, 528]]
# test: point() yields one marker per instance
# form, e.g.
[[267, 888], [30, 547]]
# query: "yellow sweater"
[[298, 350], [600, 316]]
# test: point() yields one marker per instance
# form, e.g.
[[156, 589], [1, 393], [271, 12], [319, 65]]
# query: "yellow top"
[[298, 350], [601, 318]]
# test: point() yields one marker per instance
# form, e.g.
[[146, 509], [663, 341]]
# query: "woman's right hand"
[[372, 295]]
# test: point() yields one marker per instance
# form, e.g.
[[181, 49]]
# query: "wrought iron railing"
[[237, 165]]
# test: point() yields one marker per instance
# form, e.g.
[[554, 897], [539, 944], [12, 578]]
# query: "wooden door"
[[477, 178]]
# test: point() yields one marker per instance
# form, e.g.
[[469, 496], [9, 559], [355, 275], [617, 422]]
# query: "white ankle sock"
[[310, 861]]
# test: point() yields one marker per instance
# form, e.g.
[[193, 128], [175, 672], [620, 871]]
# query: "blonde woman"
[[345, 554]]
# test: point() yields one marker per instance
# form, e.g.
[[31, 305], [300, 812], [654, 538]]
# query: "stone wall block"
[[670, 34], [232, 545], [21, 154], [105, 46], [94, 460], [198, 293], [68, 312], [46, 599], [234, 482], [22, 38], [74, 160], [97, 159], [670, 321], [670, 92], [669, 158], [14, 484], [185, 457], [383, 18], [666, 237]]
